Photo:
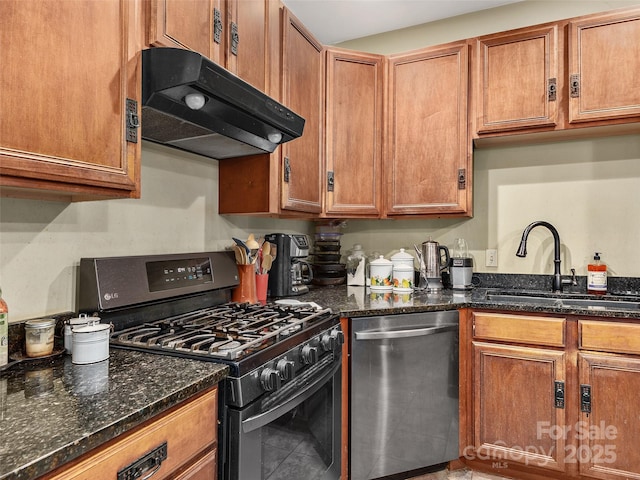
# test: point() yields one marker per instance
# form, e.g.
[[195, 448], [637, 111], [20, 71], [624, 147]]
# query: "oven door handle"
[[413, 332], [265, 418]]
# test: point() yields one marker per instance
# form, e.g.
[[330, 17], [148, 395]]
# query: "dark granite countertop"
[[52, 411], [361, 301]]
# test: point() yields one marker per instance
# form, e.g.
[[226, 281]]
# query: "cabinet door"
[[64, 96], [609, 434], [427, 156], [604, 61], [515, 416], [354, 133], [248, 59], [516, 79], [303, 92], [197, 25]]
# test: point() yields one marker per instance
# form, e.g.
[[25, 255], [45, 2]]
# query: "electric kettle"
[[435, 263]]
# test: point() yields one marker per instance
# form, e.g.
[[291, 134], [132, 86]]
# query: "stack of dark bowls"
[[327, 269]]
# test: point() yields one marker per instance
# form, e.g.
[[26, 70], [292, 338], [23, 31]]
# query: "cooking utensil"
[[240, 254], [244, 246], [251, 242], [297, 303], [267, 261]]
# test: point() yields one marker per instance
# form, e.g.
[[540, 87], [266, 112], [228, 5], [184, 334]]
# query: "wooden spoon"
[[240, 255], [251, 242], [267, 260], [266, 248]]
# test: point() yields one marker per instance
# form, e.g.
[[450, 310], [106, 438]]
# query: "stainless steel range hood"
[[190, 103]]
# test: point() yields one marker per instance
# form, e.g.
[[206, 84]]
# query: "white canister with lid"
[[82, 320], [403, 278], [91, 343], [381, 271], [402, 258]]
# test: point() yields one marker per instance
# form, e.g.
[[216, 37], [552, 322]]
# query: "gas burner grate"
[[229, 331]]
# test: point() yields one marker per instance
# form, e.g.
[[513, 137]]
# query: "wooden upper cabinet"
[[517, 79], [353, 133], [604, 61], [248, 25], [198, 25], [232, 33], [65, 91], [427, 156], [303, 92]]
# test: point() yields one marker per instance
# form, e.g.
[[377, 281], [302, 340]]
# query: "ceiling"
[[335, 21]]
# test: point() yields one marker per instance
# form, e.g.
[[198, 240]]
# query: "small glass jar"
[[38, 336]]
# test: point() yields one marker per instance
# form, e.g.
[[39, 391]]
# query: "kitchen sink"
[[567, 300]]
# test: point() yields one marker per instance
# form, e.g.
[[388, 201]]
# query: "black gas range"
[[284, 360]]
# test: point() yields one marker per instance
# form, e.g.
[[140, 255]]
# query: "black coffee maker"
[[290, 272]]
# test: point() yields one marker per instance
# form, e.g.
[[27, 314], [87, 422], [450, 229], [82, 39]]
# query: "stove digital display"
[[170, 274]]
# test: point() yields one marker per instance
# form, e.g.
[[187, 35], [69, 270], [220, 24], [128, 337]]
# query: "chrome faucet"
[[522, 252]]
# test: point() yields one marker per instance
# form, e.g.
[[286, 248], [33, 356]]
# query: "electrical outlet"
[[491, 258]]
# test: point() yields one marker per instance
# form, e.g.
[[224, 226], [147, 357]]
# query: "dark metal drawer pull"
[[149, 464]]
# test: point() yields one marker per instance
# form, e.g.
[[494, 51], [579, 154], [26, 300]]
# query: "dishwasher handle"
[[413, 332]]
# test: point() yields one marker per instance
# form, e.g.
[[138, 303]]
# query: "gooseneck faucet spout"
[[522, 250]]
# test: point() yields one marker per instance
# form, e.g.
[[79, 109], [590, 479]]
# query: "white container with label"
[[91, 343], [381, 271], [402, 258], [403, 277]]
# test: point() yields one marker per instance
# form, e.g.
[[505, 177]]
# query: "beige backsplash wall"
[[589, 189], [41, 243]]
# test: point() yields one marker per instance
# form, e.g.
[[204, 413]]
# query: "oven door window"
[[292, 434]]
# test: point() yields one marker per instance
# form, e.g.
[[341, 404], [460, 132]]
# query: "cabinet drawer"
[[615, 337], [187, 431], [527, 329]]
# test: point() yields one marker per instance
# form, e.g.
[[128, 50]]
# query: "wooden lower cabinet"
[[514, 405], [187, 434], [610, 433], [560, 405]]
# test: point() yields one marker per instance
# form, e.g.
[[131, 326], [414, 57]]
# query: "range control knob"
[[332, 341], [285, 368], [269, 379], [339, 336], [328, 342], [309, 354]]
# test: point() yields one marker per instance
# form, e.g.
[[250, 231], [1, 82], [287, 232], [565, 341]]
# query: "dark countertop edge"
[[522, 307], [57, 458]]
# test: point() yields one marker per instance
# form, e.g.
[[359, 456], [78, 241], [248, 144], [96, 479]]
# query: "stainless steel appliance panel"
[[404, 393]]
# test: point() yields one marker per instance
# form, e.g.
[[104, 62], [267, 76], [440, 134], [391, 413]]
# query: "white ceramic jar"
[[91, 343], [403, 278], [402, 258], [381, 271]]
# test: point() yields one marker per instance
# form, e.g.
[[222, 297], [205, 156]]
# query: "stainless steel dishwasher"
[[404, 393]]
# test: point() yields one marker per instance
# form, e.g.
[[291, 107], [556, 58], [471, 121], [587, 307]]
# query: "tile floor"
[[462, 474]]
